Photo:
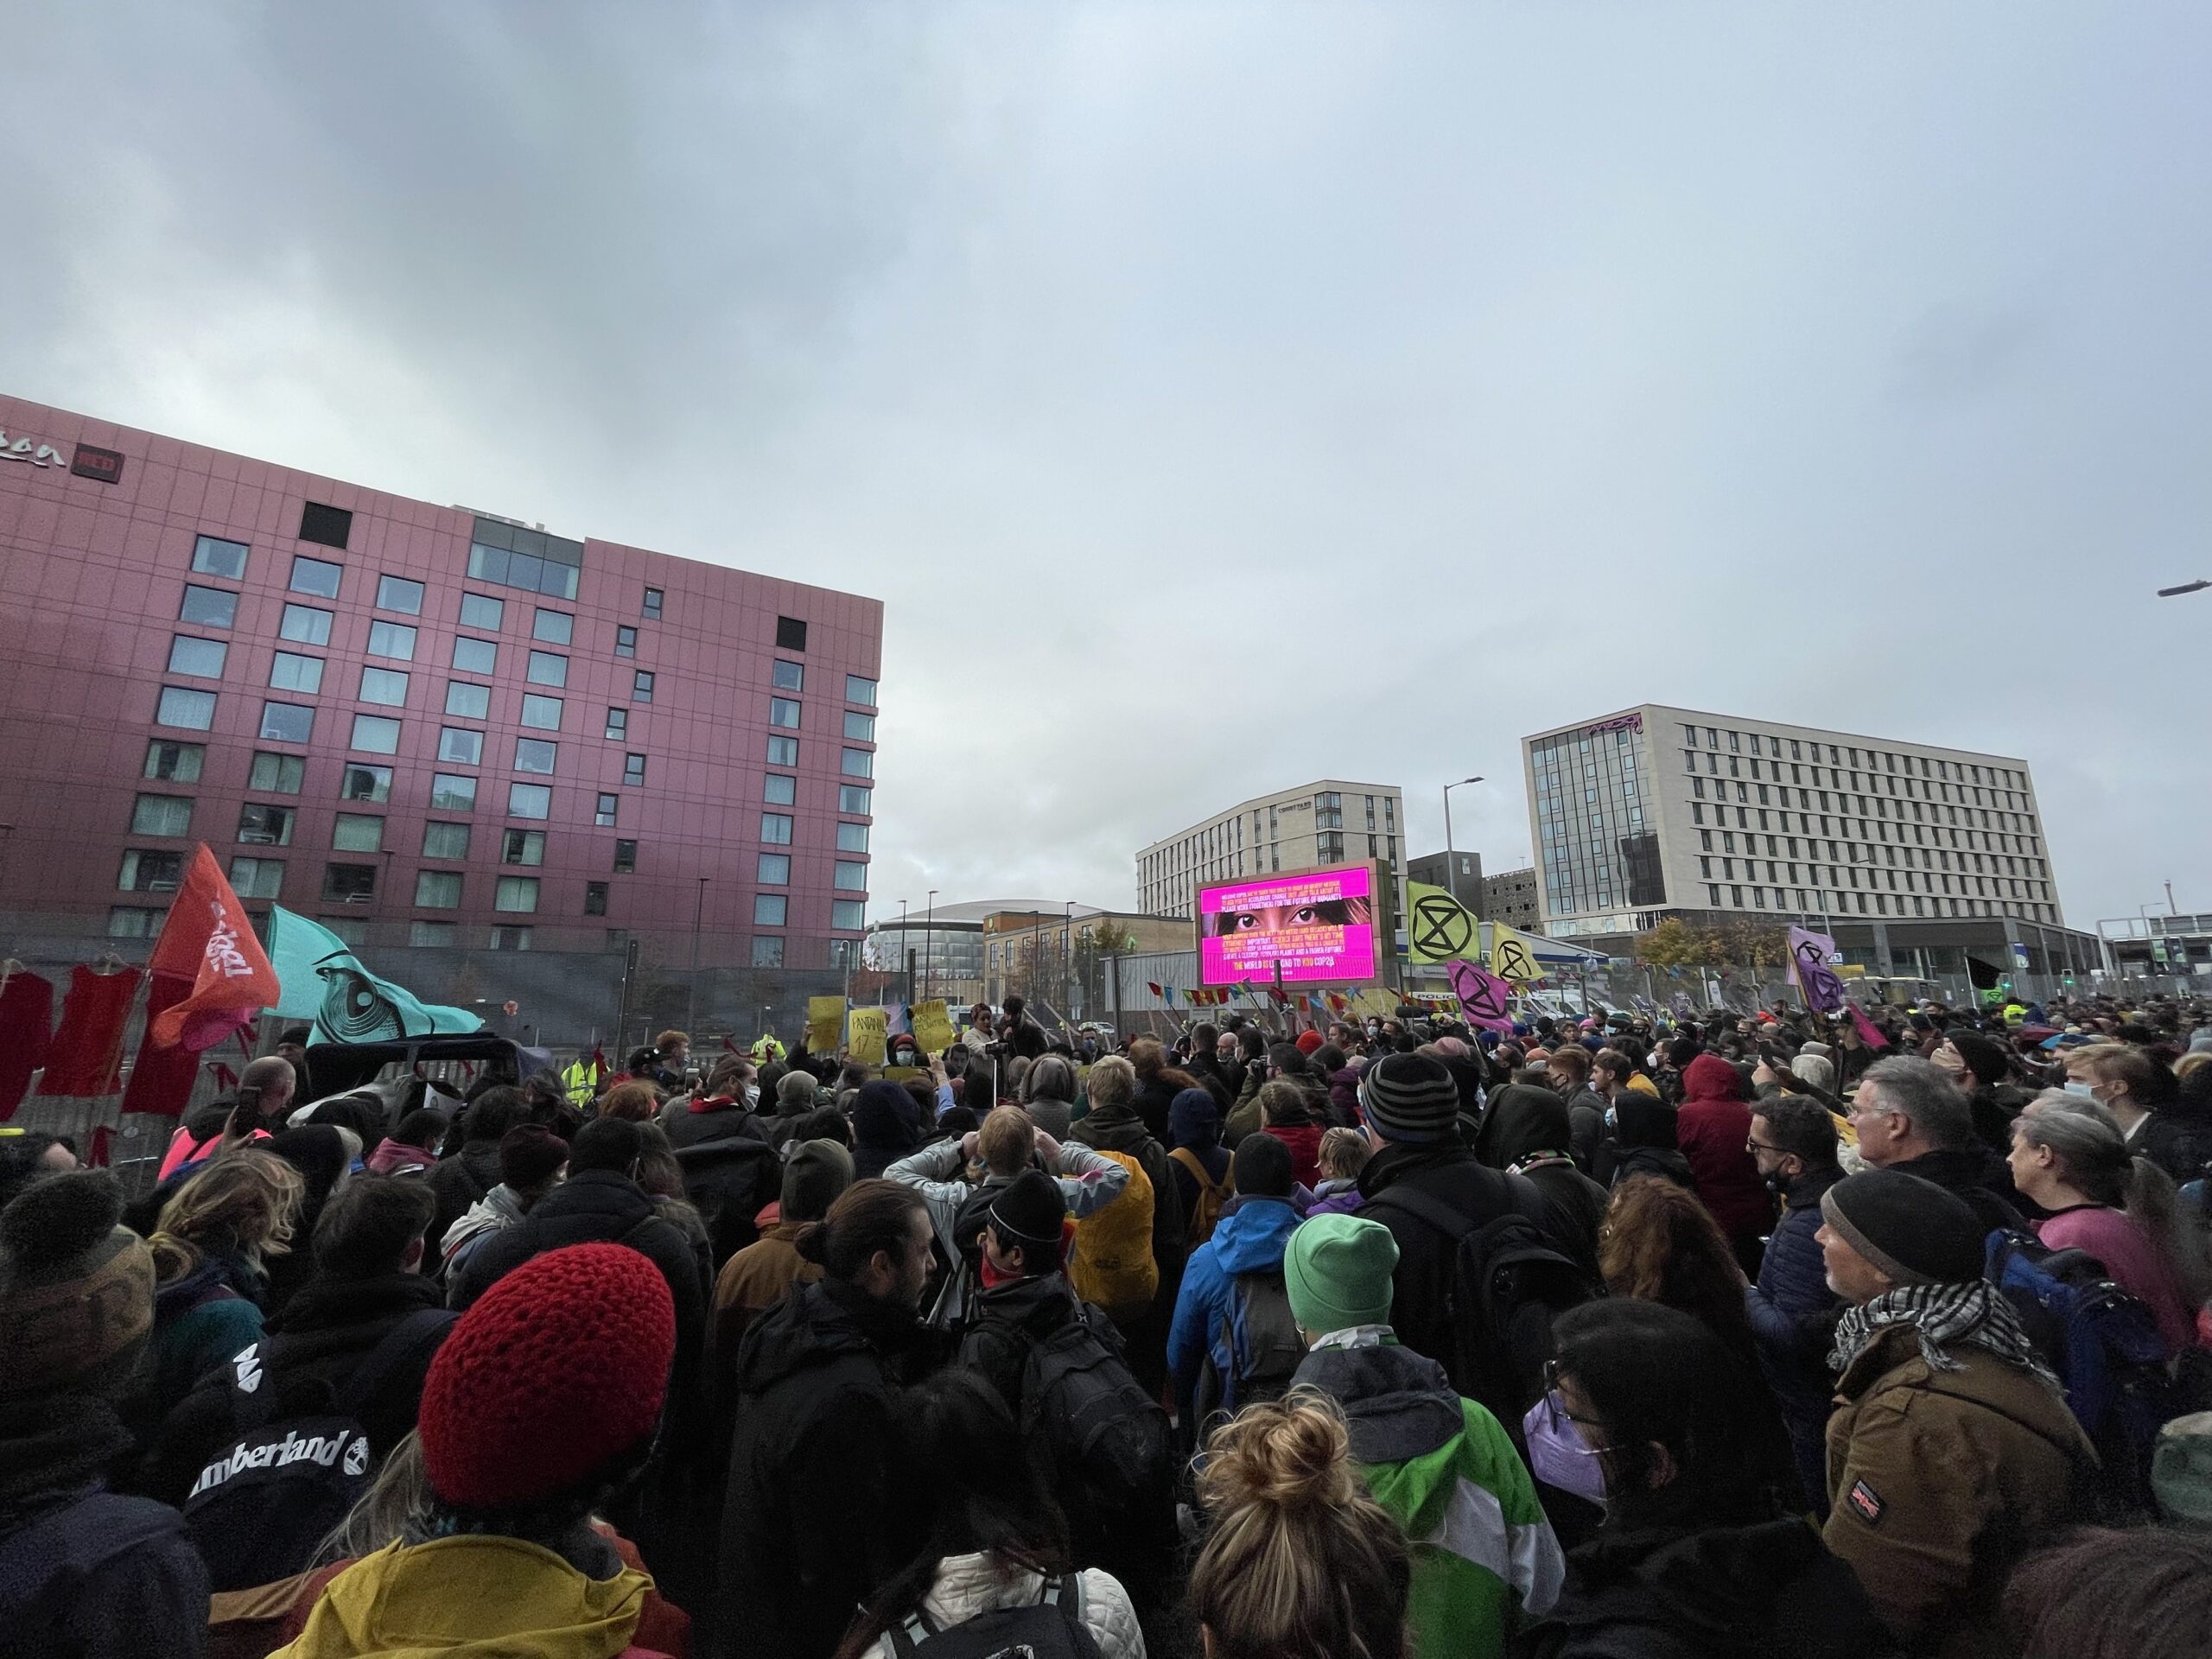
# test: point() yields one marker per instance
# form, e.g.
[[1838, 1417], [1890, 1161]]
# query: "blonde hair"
[[1006, 1140], [637, 1100], [245, 1200], [1343, 1153], [1302, 1563], [1113, 1082], [2195, 1061]]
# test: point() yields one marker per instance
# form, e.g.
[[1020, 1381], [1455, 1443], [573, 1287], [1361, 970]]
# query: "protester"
[[811, 1522], [411, 1148], [1158, 1084], [672, 1055], [994, 1564], [1909, 1118], [467, 1173], [1429, 1191], [1200, 1164], [1951, 1445], [2070, 1159], [326, 1155], [1695, 1558], [210, 1246], [757, 1277], [1528, 1131], [1286, 1114], [886, 1126], [1976, 1066], [1792, 1310], [366, 1313], [1711, 1126], [796, 1095], [1299, 1560], [2141, 1095], [1642, 1142], [634, 1101], [1048, 1092], [1661, 1244], [726, 1105], [532, 1159], [84, 1572], [542, 1401], [1232, 1330], [1112, 1127], [270, 1082], [1429, 1458], [1343, 1153]]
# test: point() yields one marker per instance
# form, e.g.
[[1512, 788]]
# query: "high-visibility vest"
[[576, 1078], [766, 1048]]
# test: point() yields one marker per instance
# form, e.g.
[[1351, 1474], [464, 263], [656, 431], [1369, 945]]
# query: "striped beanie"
[[1409, 1097]]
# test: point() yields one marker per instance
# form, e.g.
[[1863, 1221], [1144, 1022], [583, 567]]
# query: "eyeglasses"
[[1759, 1145], [1554, 1402]]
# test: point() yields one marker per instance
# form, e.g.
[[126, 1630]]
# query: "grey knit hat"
[[1409, 1097]]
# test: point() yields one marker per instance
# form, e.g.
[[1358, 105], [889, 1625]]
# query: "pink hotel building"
[[423, 726]]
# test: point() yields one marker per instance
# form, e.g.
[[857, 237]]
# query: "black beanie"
[[1914, 1231], [1984, 1058], [1264, 1167], [1029, 1209]]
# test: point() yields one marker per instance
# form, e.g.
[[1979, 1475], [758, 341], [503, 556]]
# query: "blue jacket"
[[1792, 1310], [1250, 1239]]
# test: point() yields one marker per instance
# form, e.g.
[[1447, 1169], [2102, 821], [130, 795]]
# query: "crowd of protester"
[[1636, 1334]]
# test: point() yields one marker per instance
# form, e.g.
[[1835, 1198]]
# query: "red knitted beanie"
[[556, 1371], [1308, 1041]]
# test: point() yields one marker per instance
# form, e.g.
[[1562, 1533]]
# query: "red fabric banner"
[[26, 1017], [86, 1056], [208, 938], [162, 1078]]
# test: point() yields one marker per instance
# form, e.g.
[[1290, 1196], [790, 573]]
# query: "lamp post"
[[928, 941], [698, 919], [905, 951], [1451, 856], [1067, 957]]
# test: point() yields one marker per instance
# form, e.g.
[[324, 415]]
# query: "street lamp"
[[698, 919], [928, 941], [905, 951], [1067, 957], [1450, 857]]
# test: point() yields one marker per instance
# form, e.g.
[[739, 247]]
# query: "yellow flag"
[[871, 1031], [1438, 928], [1511, 958], [932, 1026], [825, 1023]]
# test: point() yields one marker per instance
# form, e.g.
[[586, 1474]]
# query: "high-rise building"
[[1656, 811], [424, 726], [1459, 872], [1331, 821], [1510, 897]]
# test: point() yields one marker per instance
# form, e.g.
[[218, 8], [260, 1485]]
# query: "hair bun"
[[1290, 1455], [813, 1244]]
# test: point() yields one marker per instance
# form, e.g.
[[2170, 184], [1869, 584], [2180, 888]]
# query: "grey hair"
[[1815, 1069], [2084, 1137], [1925, 1096]]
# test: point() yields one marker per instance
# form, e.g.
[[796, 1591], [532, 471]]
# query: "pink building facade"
[[427, 728]]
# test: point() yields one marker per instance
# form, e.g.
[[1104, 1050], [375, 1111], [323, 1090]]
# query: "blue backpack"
[[2104, 1345]]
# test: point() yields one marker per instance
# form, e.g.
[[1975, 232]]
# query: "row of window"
[[1866, 830], [1873, 760], [1814, 902]]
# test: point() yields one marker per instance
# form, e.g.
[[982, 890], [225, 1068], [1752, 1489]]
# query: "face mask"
[[753, 1094], [1556, 1454], [2087, 1089]]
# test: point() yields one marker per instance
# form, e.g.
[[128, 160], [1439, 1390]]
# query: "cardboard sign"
[[871, 1032], [825, 1023], [1374, 1000], [933, 1027]]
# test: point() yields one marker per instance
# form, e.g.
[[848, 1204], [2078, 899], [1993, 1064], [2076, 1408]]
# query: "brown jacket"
[[753, 1281], [1937, 1480]]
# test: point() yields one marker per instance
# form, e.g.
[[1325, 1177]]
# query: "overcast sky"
[[1220, 398]]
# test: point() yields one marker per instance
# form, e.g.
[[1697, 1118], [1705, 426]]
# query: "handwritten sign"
[[933, 1027], [825, 1023], [871, 1032]]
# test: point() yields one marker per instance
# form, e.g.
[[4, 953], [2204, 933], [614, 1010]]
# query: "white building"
[[1655, 811], [1332, 822]]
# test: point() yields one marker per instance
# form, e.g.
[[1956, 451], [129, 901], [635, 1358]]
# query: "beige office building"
[[1332, 822]]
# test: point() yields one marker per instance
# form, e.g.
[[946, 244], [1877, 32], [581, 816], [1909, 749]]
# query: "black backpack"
[[1051, 1627], [1263, 1336], [1107, 1441], [260, 1506], [1509, 1282]]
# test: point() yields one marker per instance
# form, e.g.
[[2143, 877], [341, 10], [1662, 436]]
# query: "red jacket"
[[1304, 1141], [1711, 1126]]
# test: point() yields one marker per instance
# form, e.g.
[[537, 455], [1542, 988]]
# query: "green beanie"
[[1337, 1272]]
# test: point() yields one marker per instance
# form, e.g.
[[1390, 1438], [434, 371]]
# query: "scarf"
[[1941, 1316]]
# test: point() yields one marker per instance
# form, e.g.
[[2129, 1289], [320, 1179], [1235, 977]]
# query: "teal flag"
[[324, 982]]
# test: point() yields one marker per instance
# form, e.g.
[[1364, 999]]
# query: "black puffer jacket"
[[596, 1206], [810, 1526], [1724, 1592], [457, 1182], [309, 1351]]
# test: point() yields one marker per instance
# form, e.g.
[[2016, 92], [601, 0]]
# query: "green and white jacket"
[[1447, 1472]]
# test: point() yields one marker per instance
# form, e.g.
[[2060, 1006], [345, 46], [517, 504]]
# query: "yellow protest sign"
[[1374, 1000], [933, 1027], [1511, 958], [1438, 928], [871, 1032], [825, 1023]]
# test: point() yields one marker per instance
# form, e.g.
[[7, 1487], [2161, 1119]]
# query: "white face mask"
[[2076, 1087], [753, 1094]]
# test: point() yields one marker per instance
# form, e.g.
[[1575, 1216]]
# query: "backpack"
[[1051, 1627], [1264, 1339], [2104, 1345], [1206, 1214], [1110, 1263], [1509, 1282], [263, 1503], [1105, 1440]]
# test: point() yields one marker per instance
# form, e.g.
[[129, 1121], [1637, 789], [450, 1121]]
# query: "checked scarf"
[[1942, 1316]]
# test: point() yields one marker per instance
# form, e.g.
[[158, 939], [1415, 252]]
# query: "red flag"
[[1867, 1029], [599, 1065], [208, 940]]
